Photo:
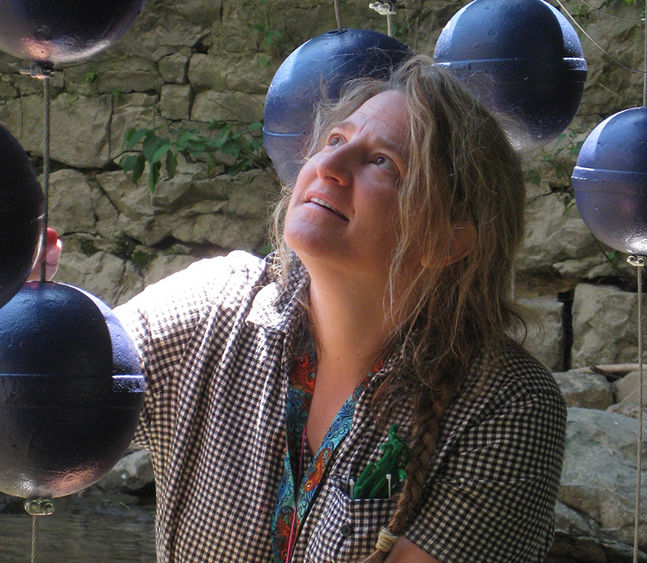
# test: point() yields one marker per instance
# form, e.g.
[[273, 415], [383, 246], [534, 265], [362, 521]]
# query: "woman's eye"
[[334, 140], [386, 163]]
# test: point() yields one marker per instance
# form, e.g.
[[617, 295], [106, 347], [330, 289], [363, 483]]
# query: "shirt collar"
[[277, 306]]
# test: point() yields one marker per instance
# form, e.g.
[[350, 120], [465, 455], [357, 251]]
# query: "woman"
[[428, 435]]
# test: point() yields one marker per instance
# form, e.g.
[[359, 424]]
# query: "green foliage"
[[243, 143], [268, 36], [91, 76]]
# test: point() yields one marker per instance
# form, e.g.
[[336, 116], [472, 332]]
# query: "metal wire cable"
[[338, 15], [37, 508], [46, 141], [639, 263], [618, 62]]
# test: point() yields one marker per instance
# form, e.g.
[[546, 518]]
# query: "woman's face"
[[343, 211]]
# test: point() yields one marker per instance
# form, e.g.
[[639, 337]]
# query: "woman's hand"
[[51, 254]]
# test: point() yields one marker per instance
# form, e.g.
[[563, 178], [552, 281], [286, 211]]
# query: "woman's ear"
[[463, 240]]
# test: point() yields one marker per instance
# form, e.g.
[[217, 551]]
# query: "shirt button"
[[346, 530]]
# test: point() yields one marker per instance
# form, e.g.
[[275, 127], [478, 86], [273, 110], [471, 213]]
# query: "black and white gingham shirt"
[[217, 342]]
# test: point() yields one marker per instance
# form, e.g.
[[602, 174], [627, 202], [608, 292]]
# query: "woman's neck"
[[349, 323]]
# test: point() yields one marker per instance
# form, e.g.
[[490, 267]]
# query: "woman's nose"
[[335, 166]]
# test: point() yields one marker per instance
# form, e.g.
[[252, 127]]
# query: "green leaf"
[[153, 176], [171, 164], [161, 152], [211, 161], [134, 135], [134, 163], [183, 140], [151, 144], [197, 145], [222, 137], [255, 126], [533, 177], [575, 149]]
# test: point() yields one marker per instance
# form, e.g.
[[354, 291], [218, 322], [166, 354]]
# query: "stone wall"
[[185, 63]]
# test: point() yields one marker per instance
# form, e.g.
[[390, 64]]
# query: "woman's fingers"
[[52, 256]]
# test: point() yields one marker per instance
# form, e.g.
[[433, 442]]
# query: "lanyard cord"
[[293, 528]]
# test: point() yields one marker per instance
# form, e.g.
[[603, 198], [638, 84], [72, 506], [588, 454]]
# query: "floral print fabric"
[[298, 466]]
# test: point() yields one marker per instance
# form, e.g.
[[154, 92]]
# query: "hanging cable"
[[619, 63], [645, 62], [385, 8], [605, 13], [638, 262], [37, 508], [46, 141], [340, 27]]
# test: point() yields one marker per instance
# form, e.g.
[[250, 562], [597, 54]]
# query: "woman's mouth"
[[325, 204]]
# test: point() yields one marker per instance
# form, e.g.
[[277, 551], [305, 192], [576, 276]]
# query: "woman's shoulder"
[[182, 297], [507, 382]]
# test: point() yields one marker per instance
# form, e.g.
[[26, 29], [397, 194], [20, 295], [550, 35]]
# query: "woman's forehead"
[[386, 113]]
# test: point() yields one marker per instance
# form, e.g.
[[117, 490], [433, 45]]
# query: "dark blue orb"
[[21, 216], [610, 181], [63, 30], [71, 387], [523, 61], [315, 71]]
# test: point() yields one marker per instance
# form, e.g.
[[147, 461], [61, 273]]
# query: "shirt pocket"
[[346, 529]]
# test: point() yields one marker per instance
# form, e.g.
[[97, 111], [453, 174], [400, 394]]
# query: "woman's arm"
[[405, 551]]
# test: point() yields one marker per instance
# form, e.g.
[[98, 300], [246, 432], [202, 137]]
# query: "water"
[[75, 533]]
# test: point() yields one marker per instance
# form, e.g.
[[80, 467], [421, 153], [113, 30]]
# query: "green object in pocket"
[[373, 481]]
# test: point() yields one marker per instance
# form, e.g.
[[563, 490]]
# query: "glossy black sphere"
[[71, 387], [21, 216], [315, 71], [523, 61], [610, 181], [63, 30]]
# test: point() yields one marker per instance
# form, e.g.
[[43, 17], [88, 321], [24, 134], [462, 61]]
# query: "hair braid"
[[429, 409]]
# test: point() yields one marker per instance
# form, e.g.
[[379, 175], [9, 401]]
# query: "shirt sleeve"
[[493, 498], [162, 320]]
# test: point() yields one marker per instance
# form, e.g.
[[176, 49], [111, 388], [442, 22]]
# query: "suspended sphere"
[[21, 216], [71, 387], [315, 71], [522, 59], [610, 181], [58, 31]]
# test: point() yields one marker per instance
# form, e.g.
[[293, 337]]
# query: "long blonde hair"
[[461, 170]]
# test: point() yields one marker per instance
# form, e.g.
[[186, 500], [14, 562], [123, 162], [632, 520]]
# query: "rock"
[[103, 274], [544, 337], [11, 116], [628, 395], [173, 68], [175, 101], [553, 235], [604, 325], [585, 390], [599, 473], [242, 73], [227, 106], [71, 207], [132, 473], [80, 128], [165, 265], [627, 388], [578, 539], [130, 110]]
